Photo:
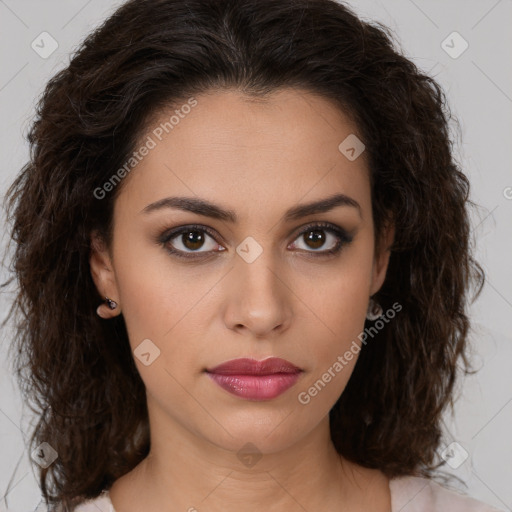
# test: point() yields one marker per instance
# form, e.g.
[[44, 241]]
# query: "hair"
[[76, 370]]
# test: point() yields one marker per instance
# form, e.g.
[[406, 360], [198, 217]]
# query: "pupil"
[[316, 237], [193, 239]]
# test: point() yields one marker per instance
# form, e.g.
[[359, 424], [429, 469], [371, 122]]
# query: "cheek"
[[337, 296], [337, 318], [333, 351], [156, 303], [162, 314], [337, 309]]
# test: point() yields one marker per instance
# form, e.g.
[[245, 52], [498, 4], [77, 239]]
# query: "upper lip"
[[245, 366]]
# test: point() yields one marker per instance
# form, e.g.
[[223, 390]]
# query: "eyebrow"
[[208, 209]]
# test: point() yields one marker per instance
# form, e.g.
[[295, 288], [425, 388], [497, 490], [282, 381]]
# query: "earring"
[[112, 304], [107, 303], [374, 310]]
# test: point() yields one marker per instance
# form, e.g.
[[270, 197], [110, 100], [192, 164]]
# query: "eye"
[[326, 235], [196, 241], [187, 240]]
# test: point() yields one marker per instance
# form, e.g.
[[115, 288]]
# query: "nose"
[[259, 299]]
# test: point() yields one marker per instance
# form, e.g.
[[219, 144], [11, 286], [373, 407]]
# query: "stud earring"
[[107, 303], [374, 310], [112, 304]]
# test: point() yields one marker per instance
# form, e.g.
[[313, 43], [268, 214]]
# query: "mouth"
[[255, 380]]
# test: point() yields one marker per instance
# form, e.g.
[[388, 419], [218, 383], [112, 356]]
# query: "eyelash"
[[343, 239]]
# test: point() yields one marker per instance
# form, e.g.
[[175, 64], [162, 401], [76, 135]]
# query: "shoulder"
[[417, 494]]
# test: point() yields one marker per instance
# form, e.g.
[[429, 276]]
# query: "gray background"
[[479, 87]]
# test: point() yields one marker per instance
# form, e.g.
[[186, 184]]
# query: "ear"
[[381, 260], [102, 269]]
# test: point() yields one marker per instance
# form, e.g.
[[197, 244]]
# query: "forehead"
[[256, 151]]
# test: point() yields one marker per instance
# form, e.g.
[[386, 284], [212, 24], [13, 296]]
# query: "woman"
[[243, 255]]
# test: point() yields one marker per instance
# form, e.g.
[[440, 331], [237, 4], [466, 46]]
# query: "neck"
[[184, 471]]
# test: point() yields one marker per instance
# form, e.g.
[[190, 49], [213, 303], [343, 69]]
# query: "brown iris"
[[316, 237], [193, 239]]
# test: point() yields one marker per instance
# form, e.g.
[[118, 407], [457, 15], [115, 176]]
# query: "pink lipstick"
[[255, 380]]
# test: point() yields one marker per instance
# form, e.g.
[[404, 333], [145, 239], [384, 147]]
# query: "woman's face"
[[251, 275]]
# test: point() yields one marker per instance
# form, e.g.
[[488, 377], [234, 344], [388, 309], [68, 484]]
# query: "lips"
[[255, 380], [246, 366]]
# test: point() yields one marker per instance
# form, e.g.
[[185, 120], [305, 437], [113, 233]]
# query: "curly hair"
[[77, 372]]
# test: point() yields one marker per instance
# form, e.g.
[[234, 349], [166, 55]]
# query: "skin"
[[257, 158]]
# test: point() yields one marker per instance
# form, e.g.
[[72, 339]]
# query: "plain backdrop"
[[466, 45]]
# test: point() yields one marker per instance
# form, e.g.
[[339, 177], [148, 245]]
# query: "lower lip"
[[256, 387]]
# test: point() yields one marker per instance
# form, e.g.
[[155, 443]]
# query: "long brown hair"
[[76, 370]]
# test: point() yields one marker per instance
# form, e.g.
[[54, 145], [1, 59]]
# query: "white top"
[[408, 494]]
